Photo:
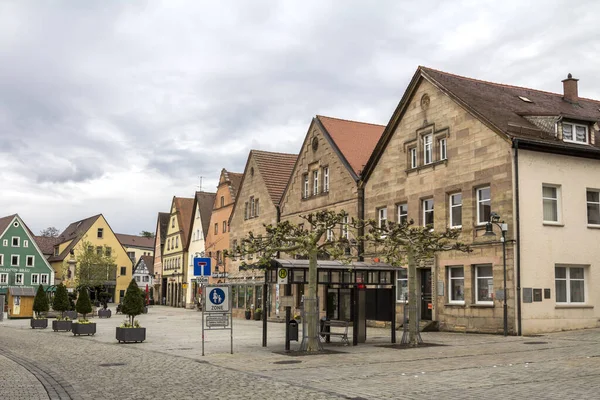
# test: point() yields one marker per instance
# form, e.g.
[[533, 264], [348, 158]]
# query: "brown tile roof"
[[5, 221], [135, 241], [162, 225], [275, 169], [185, 206], [205, 201], [148, 261], [74, 232], [46, 244], [235, 179], [355, 140], [500, 105]]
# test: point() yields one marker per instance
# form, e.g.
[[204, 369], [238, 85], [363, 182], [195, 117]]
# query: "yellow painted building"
[[99, 234]]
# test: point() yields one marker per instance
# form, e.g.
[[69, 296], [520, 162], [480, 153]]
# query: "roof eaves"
[[336, 149]]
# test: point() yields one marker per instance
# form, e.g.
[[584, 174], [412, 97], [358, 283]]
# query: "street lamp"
[[489, 231]]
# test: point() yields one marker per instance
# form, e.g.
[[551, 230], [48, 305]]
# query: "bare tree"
[[50, 232], [147, 234]]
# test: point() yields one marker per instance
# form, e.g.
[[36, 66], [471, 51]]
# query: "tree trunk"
[[413, 324], [312, 312]]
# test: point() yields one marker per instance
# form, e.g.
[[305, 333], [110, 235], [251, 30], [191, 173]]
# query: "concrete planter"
[[131, 334], [83, 329], [41, 323], [71, 314], [61, 326], [102, 313]]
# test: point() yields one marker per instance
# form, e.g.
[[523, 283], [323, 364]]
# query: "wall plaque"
[[527, 295], [537, 294]]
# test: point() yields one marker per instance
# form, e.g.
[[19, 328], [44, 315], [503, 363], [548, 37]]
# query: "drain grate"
[[535, 342], [111, 365], [288, 362]]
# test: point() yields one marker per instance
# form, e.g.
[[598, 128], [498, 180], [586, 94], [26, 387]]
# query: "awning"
[[22, 291]]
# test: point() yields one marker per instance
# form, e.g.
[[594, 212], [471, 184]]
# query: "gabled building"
[[136, 246], [143, 274], [175, 251], [23, 266], [46, 245], [459, 153], [95, 231], [266, 175], [160, 236], [203, 205], [217, 239]]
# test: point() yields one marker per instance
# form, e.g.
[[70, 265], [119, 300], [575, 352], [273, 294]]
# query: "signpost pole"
[[230, 320], [203, 323]]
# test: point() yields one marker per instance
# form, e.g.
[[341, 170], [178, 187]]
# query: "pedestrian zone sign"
[[202, 266], [217, 298]]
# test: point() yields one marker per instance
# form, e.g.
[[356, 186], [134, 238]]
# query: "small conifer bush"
[[133, 302], [61, 300], [84, 305], [40, 303]]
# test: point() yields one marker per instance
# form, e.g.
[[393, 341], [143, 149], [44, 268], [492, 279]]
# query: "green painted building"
[[22, 263]]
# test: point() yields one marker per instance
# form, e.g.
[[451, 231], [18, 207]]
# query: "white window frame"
[[450, 279], [18, 260], [32, 258], [568, 280], [480, 202], [12, 240], [477, 277], [251, 202], [588, 203], [5, 243], [453, 223], [325, 179], [37, 279], [443, 148], [557, 203], [574, 133], [400, 283], [427, 149], [413, 157], [315, 182], [381, 216], [401, 214], [1, 260], [345, 230], [25, 243], [22, 275], [44, 279], [330, 234], [428, 210], [100, 233], [3, 278], [306, 194]]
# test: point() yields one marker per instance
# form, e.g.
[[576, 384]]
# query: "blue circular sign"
[[216, 296]]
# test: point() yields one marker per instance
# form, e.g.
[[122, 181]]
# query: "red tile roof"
[[46, 244], [355, 140], [74, 232], [135, 241], [185, 206], [205, 201], [5, 221], [275, 169]]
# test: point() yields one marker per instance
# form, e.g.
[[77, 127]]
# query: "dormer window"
[[575, 133]]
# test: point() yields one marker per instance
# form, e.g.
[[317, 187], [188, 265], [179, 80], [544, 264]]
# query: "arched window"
[[222, 201]]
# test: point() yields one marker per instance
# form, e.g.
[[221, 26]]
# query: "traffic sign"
[[282, 276], [217, 299], [202, 266], [217, 320]]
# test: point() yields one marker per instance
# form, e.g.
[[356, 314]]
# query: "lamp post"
[[489, 231]]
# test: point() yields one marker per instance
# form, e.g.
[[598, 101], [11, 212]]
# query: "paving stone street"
[[42, 364]]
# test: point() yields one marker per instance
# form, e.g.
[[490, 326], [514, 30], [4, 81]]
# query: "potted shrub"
[[40, 308], [258, 314], [61, 304], [104, 312], [132, 305], [84, 306]]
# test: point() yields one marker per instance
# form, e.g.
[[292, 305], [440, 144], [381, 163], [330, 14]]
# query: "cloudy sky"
[[113, 107]]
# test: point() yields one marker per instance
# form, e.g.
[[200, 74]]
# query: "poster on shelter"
[[17, 305]]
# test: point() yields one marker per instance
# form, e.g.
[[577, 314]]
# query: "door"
[[426, 299]]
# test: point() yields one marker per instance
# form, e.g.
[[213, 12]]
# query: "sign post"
[[217, 306]]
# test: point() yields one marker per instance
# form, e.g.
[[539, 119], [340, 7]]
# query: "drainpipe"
[[361, 217], [518, 239]]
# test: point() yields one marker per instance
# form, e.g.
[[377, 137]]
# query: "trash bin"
[[293, 330]]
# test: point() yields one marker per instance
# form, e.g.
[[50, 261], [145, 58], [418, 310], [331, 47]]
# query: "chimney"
[[570, 89]]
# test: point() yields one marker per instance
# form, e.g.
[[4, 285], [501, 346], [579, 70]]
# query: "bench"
[[328, 324]]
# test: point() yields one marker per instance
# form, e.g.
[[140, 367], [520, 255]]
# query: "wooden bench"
[[328, 324]]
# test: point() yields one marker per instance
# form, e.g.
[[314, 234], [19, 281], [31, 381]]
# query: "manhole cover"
[[111, 365], [535, 342], [288, 362]]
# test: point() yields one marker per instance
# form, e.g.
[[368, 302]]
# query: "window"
[[145, 278], [305, 186], [402, 213], [251, 206], [35, 279], [570, 284], [3, 279], [382, 217], [222, 201], [177, 241], [224, 226], [402, 286], [25, 243], [14, 260], [108, 251], [18, 279], [329, 234], [246, 210], [100, 233], [575, 133], [1, 259], [256, 207], [315, 182], [173, 222], [123, 271], [484, 282], [456, 285], [30, 261], [99, 250], [427, 150], [427, 212], [593, 207], [5, 243], [199, 235], [137, 278], [131, 254], [121, 294], [456, 210], [442, 146], [16, 241], [345, 233], [216, 228], [193, 236], [484, 205], [413, 157], [550, 201], [326, 179], [44, 279]]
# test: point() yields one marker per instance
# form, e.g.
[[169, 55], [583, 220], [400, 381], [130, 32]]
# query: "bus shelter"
[[354, 292]]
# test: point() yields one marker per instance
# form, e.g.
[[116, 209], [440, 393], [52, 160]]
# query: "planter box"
[[102, 313], [71, 314], [61, 326], [39, 323], [131, 334], [83, 329], [257, 316]]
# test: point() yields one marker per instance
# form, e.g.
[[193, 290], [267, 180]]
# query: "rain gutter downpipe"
[[518, 239]]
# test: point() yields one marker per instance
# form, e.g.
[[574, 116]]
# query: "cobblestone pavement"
[[46, 364]]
